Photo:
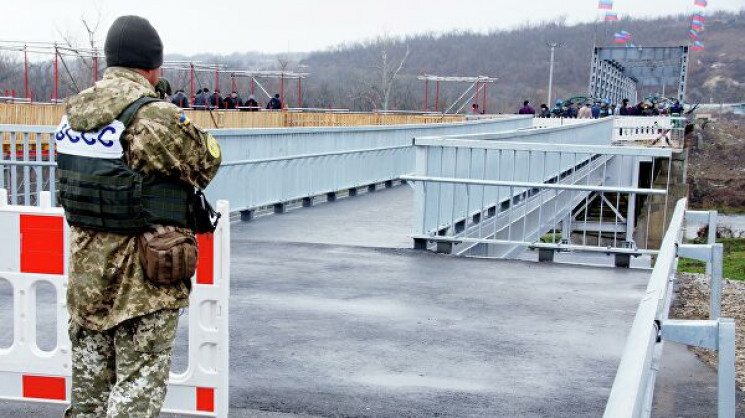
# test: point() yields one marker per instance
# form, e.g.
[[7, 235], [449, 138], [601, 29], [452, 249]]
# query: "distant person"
[[200, 101], [274, 103], [475, 108], [605, 109], [595, 109], [572, 111], [676, 108], [180, 99], [625, 110], [232, 101], [163, 88], [251, 104], [216, 100], [527, 109], [558, 110], [545, 111], [585, 112]]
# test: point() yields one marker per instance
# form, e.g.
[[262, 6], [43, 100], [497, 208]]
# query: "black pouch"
[[205, 218]]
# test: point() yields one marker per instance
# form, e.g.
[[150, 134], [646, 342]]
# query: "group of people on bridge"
[[601, 108], [206, 100]]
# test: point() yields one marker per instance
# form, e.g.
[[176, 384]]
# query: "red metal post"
[[191, 83], [437, 96], [483, 103], [299, 92], [217, 80], [476, 94], [25, 71], [253, 82], [95, 66], [282, 90], [232, 83], [31, 95], [426, 94], [56, 74]]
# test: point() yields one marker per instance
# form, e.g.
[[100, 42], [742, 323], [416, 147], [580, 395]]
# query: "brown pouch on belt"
[[168, 254]]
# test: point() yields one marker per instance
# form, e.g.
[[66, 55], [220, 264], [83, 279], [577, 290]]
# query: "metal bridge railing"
[[261, 167], [633, 388], [666, 131], [658, 130], [566, 192]]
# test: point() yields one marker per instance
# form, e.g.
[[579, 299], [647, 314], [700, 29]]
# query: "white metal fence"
[[495, 195], [633, 388], [261, 167], [664, 131]]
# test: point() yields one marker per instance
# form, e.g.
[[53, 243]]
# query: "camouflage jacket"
[[107, 284]]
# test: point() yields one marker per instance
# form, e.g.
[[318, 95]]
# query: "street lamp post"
[[553, 46]]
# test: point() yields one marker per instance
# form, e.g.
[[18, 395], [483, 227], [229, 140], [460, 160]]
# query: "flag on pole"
[[611, 16], [699, 17], [693, 34], [700, 3], [698, 46], [621, 37], [697, 26], [607, 4]]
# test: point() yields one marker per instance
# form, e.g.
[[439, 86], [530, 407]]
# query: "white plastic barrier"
[[645, 128], [34, 249]]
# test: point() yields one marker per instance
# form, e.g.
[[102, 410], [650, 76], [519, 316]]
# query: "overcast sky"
[[221, 26]]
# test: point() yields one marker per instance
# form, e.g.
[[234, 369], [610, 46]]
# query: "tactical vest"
[[99, 191]]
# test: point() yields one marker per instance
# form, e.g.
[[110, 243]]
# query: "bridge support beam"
[[247, 215], [546, 255]]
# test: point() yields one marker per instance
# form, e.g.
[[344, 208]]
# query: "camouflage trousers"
[[122, 372]]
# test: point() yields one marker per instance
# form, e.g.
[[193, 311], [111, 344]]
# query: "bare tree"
[[387, 69]]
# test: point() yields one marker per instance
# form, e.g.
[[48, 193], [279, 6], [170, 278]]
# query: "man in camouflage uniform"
[[122, 326]]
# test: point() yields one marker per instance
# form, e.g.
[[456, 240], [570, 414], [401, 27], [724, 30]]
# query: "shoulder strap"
[[129, 113]]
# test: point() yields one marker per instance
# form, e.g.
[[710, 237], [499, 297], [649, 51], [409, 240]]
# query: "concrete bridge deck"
[[333, 316]]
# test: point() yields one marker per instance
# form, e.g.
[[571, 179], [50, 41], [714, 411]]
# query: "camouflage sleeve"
[[162, 140]]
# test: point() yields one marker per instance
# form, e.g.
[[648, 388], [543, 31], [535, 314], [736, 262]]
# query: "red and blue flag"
[[611, 16], [621, 37], [700, 3], [698, 46], [605, 4]]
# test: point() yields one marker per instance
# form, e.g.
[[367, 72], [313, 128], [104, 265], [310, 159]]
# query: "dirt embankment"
[[692, 302], [716, 165]]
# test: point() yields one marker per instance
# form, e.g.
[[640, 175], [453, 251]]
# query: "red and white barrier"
[[34, 249]]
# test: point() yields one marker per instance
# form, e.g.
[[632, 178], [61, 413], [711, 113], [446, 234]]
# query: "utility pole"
[[553, 46]]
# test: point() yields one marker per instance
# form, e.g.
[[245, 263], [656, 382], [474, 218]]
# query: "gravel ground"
[[692, 302]]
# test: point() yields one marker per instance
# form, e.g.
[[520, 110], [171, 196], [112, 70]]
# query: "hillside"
[[520, 59]]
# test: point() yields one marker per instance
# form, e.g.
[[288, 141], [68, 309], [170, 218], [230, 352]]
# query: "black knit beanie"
[[133, 42]]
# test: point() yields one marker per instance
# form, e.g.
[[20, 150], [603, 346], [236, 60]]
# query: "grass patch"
[[551, 238], [734, 260]]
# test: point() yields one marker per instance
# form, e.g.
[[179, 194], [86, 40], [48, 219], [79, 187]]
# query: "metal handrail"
[[633, 388], [627, 398]]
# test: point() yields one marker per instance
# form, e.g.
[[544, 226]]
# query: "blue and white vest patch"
[[101, 143]]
